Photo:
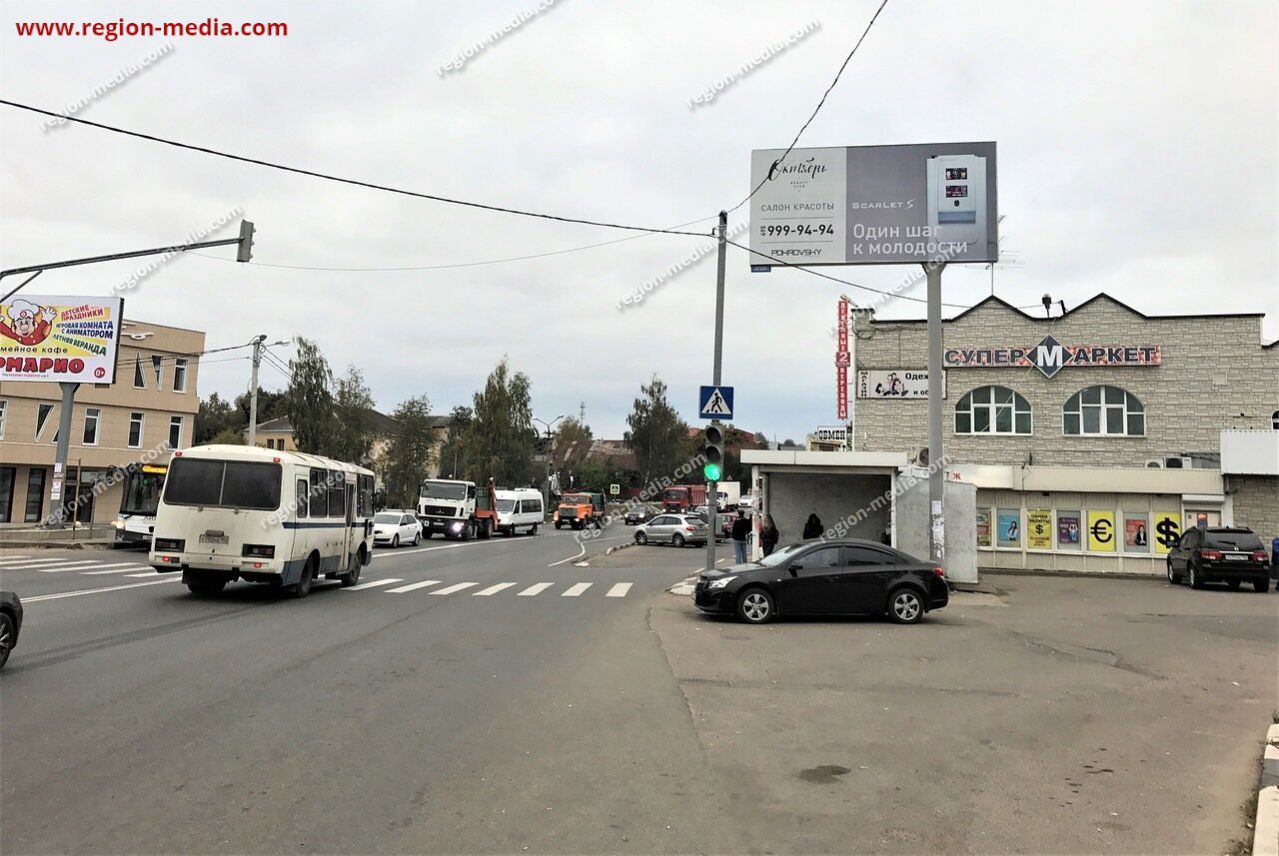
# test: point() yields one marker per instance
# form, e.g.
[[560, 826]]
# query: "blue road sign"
[[715, 402]]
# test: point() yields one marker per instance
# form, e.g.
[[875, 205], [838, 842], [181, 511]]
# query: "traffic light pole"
[[712, 488]]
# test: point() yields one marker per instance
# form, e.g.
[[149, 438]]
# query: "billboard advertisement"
[[68, 339], [866, 205], [896, 384]]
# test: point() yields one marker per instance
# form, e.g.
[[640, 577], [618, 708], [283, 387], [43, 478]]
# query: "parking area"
[[1055, 715]]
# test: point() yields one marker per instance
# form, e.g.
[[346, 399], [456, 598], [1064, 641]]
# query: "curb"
[[1043, 572], [616, 547], [1265, 827], [684, 588], [53, 545]]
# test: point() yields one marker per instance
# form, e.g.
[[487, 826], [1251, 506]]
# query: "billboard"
[[895, 384], [866, 205], [68, 339]]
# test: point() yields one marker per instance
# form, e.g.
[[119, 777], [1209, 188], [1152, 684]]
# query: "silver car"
[[677, 529]]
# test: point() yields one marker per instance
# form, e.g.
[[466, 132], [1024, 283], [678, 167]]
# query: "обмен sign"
[[1050, 356]]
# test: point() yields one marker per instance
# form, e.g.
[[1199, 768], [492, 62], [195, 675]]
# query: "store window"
[[35, 495], [1103, 411], [7, 475], [992, 410]]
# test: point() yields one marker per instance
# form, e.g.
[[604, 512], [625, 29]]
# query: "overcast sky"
[[1137, 155]]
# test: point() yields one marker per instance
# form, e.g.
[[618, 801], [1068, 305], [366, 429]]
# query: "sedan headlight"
[[720, 583]]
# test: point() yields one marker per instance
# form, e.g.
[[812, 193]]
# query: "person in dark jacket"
[[768, 535], [813, 528], [740, 532]]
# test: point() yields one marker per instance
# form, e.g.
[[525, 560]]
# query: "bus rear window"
[[224, 484]]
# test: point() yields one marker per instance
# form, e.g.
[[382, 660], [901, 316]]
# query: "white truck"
[[730, 495], [456, 509]]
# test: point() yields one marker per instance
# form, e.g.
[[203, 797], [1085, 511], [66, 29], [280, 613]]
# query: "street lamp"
[[550, 456]]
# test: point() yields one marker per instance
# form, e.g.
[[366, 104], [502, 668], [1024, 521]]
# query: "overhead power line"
[[351, 181], [816, 109]]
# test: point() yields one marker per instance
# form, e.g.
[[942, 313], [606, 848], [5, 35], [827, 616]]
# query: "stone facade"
[[1214, 374], [1256, 504]]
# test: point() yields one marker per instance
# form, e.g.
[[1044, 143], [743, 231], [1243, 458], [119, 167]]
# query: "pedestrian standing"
[[813, 528], [740, 532], [768, 535]]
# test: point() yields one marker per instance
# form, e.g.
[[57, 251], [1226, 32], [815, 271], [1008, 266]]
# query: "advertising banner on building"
[[69, 339], [1136, 534], [875, 204], [1050, 356], [843, 360], [1008, 527], [1039, 528], [1167, 529], [1068, 530], [895, 384], [1101, 531], [983, 527]]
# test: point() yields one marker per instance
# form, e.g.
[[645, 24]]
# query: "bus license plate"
[[214, 538]]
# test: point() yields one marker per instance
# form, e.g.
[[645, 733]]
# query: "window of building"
[[35, 495], [135, 429], [4, 406], [180, 375], [139, 380], [156, 363], [1103, 411], [175, 432], [92, 416], [1274, 419], [7, 475], [992, 410], [42, 418]]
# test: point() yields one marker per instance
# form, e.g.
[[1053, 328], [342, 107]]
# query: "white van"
[[520, 508], [262, 515]]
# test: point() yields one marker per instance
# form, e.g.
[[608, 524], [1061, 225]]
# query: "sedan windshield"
[[772, 560]]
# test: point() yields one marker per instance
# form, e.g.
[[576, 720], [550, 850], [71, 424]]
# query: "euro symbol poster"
[[67, 339], [1167, 531], [1101, 531]]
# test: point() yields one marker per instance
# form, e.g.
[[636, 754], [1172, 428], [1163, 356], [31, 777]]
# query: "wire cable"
[[341, 180], [816, 109]]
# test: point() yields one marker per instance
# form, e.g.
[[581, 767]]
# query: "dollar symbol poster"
[[1167, 531], [1039, 528]]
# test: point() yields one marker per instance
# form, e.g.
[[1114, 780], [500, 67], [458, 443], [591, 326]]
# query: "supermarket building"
[[1094, 436]]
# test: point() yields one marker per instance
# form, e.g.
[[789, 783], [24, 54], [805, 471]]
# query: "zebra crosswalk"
[[68, 564], [577, 589]]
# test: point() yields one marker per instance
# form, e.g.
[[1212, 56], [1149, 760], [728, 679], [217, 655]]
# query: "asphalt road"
[[1065, 715]]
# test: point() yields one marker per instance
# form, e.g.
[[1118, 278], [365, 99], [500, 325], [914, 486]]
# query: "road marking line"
[[534, 590], [491, 590], [29, 563], [10, 559], [453, 588], [619, 590], [580, 554], [576, 590], [63, 594], [149, 573], [412, 586], [70, 566], [374, 584], [122, 569]]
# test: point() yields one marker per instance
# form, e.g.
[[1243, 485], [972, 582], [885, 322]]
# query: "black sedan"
[[10, 624], [1233, 555], [844, 577], [638, 514]]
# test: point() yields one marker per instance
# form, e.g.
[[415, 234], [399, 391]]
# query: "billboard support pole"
[[58, 520], [712, 488], [936, 472]]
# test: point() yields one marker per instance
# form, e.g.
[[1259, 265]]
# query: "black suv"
[[1228, 554]]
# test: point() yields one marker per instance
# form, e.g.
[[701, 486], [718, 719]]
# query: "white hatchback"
[[395, 528]]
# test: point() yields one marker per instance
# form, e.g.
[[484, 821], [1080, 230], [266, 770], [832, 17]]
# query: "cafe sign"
[[1051, 356]]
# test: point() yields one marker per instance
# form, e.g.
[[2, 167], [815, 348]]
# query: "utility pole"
[[936, 472], [57, 520], [712, 487], [253, 389]]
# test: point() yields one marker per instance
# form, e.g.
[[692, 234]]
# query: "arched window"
[[992, 410], [1103, 411], [1274, 420]]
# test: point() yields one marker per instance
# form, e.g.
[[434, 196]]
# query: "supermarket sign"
[[62, 339], [1051, 356]]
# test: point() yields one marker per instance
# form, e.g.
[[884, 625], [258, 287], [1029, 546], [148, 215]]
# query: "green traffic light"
[[712, 472]]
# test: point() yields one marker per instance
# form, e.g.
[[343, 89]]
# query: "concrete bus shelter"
[[862, 495]]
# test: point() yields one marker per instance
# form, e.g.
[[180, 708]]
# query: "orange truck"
[[580, 509]]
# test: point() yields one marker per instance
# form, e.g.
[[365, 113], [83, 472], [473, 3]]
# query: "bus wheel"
[[352, 576], [303, 586]]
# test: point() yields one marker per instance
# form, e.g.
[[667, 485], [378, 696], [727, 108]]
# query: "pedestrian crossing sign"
[[715, 402]]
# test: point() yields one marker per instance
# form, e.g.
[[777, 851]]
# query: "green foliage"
[[228, 436], [352, 437], [500, 441], [215, 416], [408, 459], [572, 444], [657, 435], [309, 399], [451, 456]]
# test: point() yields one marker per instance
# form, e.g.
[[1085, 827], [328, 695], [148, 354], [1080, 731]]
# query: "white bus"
[[520, 508], [264, 516], [138, 502]]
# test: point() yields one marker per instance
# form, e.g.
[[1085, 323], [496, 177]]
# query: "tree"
[[657, 435], [407, 461], [500, 441], [229, 437], [572, 444], [451, 456], [270, 406], [352, 439], [309, 399], [215, 416]]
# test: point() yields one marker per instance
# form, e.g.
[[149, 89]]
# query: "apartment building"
[[146, 414]]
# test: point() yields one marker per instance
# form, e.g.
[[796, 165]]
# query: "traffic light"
[[244, 251], [713, 451]]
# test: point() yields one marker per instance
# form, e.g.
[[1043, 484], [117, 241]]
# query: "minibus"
[[518, 509]]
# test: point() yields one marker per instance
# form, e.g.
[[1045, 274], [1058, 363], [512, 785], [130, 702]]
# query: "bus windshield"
[[443, 490], [142, 491], [223, 484]]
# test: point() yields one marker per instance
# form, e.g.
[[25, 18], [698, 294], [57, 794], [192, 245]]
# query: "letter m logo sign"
[[1048, 356]]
